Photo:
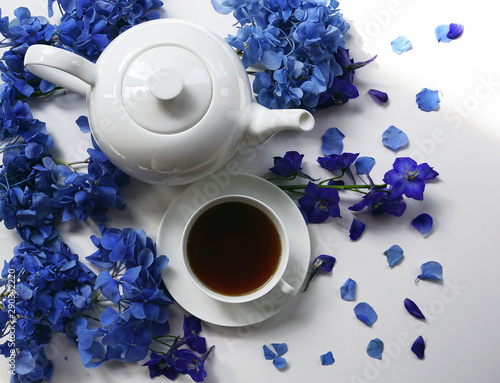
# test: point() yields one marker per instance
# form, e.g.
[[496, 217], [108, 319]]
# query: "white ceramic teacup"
[[208, 211]]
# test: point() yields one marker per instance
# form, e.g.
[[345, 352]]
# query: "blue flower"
[[161, 365], [192, 327], [277, 355], [340, 162], [408, 178], [380, 202], [128, 342], [190, 363], [320, 203], [321, 262], [290, 165]]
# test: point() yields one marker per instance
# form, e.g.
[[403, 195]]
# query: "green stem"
[[294, 188]]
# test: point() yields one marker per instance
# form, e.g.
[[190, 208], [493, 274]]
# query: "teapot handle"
[[61, 67]]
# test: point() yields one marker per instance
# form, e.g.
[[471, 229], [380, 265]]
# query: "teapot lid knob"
[[166, 83]]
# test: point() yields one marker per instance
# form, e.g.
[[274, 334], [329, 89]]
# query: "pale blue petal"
[[441, 32], [431, 270], [348, 290], [364, 165], [423, 223], [428, 100], [332, 142], [394, 138], [394, 255], [327, 359], [365, 313], [375, 348], [401, 45], [25, 363]]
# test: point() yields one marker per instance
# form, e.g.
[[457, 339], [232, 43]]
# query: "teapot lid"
[[167, 89]]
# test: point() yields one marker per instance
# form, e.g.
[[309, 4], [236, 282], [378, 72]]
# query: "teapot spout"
[[266, 122]]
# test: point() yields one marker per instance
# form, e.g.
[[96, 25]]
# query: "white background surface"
[[460, 141]]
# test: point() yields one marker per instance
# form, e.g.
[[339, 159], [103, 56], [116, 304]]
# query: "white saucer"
[[186, 294]]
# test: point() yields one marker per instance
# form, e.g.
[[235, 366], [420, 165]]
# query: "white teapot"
[[169, 101]]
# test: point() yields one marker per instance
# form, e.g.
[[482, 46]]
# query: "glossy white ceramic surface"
[[169, 101]]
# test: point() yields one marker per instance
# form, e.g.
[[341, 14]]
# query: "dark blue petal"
[[83, 124], [365, 313], [357, 228], [428, 100], [423, 223], [400, 45], [364, 165], [431, 270], [456, 30], [413, 309], [375, 348], [394, 255], [332, 142], [394, 138], [378, 95], [348, 290], [327, 359], [418, 347]]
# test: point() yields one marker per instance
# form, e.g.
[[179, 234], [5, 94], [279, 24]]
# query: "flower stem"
[[294, 188]]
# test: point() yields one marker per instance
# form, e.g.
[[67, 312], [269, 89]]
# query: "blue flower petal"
[[25, 363], [365, 313], [83, 124], [418, 347], [428, 100], [268, 354], [327, 359], [456, 30], [348, 290], [378, 95], [423, 223], [375, 348], [431, 270], [448, 32], [332, 142], [394, 138], [357, 228], [401, 45], [364, 165], [279, 362], [394, 255], [413, 309], [281, 348]]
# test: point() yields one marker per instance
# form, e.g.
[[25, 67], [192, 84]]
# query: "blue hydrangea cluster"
[[300, 46], [54, 290]]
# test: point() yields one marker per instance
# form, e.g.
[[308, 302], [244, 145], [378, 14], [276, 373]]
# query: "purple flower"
[[341, 162], [357, 228], [380, 202], [289, 166], [161, 365], [320, 203], [188, 362], [408, 178]]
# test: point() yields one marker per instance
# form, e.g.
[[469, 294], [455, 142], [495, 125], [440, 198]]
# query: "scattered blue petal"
[[332, 142], [357, 228], [280, 348], [348, 290], [431, 270], [394, 138], [428, 100], [378, 95], [365, 313], [448, 32], [401, 45], [375, 348], [423, 223], [418, 347], [394, 255], [268, 354], [413, 309], [279, 362], [364, 165], [327, 359]]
